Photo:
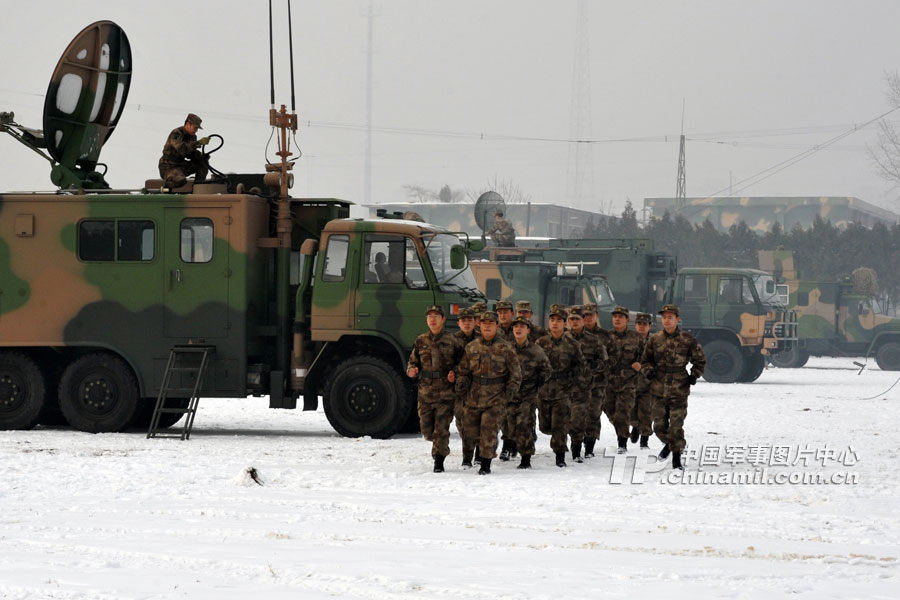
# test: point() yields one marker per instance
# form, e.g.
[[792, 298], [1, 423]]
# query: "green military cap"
[[503, 304], [434, 308], [559, 310], [498, 212], [643, 318], [672, 308], [576, 311], [523, 305], [478, 308], [467, 312], [523, 321], [590, 308], [621, 310], [489, 315], [193, 120]]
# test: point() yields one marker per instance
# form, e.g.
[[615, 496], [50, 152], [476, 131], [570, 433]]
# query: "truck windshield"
[[766, 289], [439, 255], [602, 294]]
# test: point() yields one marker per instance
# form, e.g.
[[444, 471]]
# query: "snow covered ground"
[[121, 516]]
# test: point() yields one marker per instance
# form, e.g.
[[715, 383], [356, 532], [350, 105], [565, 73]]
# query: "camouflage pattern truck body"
[[95, 289], [833, 318], [737, 316], [542, 284]]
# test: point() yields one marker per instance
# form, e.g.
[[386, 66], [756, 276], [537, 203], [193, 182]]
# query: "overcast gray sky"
[[761, 82]]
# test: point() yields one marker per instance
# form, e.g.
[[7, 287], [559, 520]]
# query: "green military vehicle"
[[542, 284], [280, 296], [835, 318]]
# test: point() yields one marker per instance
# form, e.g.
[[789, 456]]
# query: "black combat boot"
[[526, 462], [623, 445], [477, 454], [635, 434], [438, 464], [664, 453], [589, 448], [485, 466], [576, 452], [561, 460], [513, 449], [504, 452], [676, 461], [645, 439], [466, 462]]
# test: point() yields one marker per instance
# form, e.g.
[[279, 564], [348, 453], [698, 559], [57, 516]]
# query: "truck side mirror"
[[457, 257], [770, 287], [474, 246]]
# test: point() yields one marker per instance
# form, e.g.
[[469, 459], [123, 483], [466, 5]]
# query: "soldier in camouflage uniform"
[[466, 334], [536, 371], [504, 310], [490, 375], [554, 402], [641, 417], [478, 308], [502, 233], [523, 309], [595, 359], [181, 154], [598, 391], [433, 358], [628, 346], [664, 362]]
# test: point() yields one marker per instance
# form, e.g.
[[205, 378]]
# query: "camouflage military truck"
[[835, 318], [98, 287], [542, 284], [738, 317]]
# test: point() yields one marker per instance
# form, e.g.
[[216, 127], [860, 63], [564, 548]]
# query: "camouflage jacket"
[[435, 356], [627, 349], [502, 233], [667, 356], [180, 147], [641, 383], [489, 373], [536, 333], [536, 370], [567, 361], [506, 334], [595, 357], [605, 337]]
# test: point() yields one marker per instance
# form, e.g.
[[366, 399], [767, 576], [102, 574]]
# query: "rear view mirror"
[[457, 257]]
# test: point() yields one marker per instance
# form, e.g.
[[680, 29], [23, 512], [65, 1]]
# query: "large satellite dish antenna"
[[84, 102], [486, 207]]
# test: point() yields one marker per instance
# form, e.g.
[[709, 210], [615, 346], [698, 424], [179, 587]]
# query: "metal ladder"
[[182, 359]]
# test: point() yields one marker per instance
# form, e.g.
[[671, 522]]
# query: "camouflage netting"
[[865, 281]]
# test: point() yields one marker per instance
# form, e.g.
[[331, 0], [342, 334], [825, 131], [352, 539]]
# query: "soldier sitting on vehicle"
[[181, 155], [502, 233]]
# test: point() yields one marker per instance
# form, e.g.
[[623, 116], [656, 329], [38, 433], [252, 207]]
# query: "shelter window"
[[492, 289], [336, 258], [123, 240], [97, 240], [197, 240], [136, 240]]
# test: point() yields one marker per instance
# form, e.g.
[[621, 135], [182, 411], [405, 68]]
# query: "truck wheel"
[[365, 396], [724, 362], [888, 357], [753, 368], [22, 391], [790, 359], [98, 393]]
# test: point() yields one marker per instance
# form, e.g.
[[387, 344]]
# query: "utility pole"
[[370, 51], [680, 193], [580, 177]]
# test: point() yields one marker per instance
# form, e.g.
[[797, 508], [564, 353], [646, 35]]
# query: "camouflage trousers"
[[459, 415], [669, 413], [553, 419], [641, 415], [621, 403], [434, 422], [176, 176], [519, 424], [595, 412], [579, 419], [481, 425]]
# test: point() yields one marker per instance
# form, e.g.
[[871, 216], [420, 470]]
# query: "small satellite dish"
[[486, 206], [85, 98]]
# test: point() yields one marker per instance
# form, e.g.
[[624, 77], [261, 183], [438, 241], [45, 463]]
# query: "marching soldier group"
[[499, 370]]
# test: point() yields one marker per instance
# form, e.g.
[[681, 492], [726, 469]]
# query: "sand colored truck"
[[287, 297]]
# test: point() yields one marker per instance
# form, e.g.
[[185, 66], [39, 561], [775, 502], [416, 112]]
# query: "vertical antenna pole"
[[291, 51], [271, 61]]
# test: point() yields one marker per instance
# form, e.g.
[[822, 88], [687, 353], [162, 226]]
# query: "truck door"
[[197, 272], [692, 296], [737, 308], [393, 291]]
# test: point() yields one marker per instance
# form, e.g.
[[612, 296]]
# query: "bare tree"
[[886, 151], [423, 194], [511, 192]]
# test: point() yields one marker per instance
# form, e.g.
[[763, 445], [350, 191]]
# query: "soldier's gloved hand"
[[203, 141], [692, 379], [651, 373]]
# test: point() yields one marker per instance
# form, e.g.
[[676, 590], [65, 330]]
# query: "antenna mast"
[[680, 193]]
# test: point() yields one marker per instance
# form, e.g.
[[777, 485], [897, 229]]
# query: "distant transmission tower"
[[370, 51], [680, 193], [580, 180]]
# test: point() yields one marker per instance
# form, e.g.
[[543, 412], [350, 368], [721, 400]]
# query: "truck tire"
[[724, 362], [753, 368], [22, 391], [790, 359], [98, 393], [365, 396], [888, 357]]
